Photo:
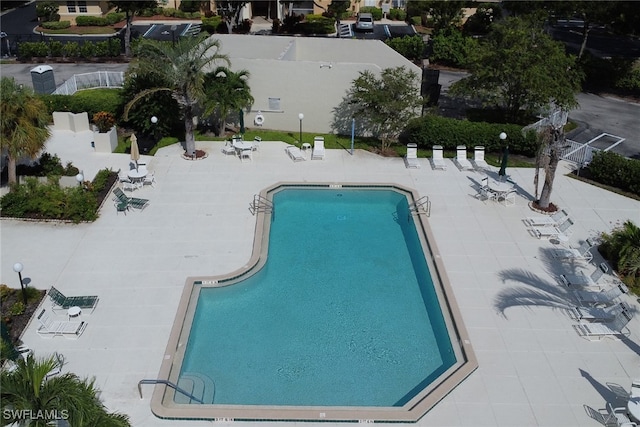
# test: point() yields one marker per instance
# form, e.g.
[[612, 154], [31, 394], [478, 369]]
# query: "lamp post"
[[173, 35], [17, 267], [505, 156], [300, 116], [503, 136], [80, 179], [154, 122]]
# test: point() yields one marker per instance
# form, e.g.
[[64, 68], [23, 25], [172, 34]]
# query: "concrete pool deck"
[[533, 367]]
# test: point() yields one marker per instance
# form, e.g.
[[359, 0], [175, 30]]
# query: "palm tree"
[[183, 67], [29, 398], [622, 247], [23, 123], [226, 92]]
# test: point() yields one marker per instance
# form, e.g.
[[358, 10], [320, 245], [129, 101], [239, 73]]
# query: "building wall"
[[82, 8]]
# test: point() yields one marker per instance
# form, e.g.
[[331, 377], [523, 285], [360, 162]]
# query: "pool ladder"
[[260, 204], [170, 384], [421, 206]]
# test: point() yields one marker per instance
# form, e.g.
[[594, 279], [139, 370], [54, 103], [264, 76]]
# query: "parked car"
[[364, 22]]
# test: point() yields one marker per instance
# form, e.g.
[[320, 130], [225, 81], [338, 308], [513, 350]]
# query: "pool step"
[[200, 386]]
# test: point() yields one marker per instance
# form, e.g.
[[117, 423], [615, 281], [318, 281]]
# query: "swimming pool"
[[342, 322]]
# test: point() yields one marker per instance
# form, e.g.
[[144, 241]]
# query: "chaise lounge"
[[52, 328], [63, 302], [437, 158], [295, 153]]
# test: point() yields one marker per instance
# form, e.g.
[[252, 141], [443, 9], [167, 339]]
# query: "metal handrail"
[[170, 384], [422, 205], [260, 204]]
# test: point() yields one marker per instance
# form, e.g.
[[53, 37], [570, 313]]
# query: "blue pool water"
[[344, 312]]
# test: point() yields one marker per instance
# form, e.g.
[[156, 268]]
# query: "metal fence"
[[106, 79], [582, 153]]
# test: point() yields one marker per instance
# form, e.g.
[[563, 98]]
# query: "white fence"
[[582, 153], [106, 79]]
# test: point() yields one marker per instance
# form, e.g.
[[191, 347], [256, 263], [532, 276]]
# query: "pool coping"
[[412, 411]]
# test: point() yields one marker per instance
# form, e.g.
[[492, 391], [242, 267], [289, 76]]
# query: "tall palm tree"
[[226, 92], [31, 399], [183, 65], [23, 123], [622, 246]]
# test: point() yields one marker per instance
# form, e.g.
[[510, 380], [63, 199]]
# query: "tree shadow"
[[609, 394]]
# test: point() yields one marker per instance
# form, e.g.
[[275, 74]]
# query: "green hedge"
[[411, 47], [210, 25], [615, 170], [56, 25], [428, 131], [397, 14], [375, 11], [99, 21], [91, 101], [106, 48], [316, 24], [452, 48]]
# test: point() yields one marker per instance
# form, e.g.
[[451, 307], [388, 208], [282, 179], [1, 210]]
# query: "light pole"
[[80, 179], [301, 116], [505, 156], [17, 267], [154, 122]]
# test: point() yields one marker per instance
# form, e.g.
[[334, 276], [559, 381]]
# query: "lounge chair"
[[228, 148], [552, 221], [437, 158], [604, 297], [582, 253], [598, 314], [411, 159], [133, 202], [295, 153], [461, 158], [318, 148], [553, 232], [478, 158], [63, 302], [51, 328], [484, 192], [57, 369], [581, 279], [614, 328]]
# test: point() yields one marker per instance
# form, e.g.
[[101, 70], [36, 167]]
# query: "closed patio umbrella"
[[135, 151], [241, 113], [505, 160]]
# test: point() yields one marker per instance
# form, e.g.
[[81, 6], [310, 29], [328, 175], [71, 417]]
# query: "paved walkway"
[[534, 369]]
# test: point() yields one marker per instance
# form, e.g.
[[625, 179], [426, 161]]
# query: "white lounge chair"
[[581, 279], [598, 314], [604, 297], [582, 253], [228, 148], [478, 158], [484, 192], [553, 232], [51, 328], [318, 148], [615, 328], [295, 153], [411, 159], [461, 158], [541, 221], [437, 158]]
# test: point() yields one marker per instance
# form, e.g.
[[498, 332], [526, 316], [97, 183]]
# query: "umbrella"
[[241, 122], [135, 151], [505, 159]]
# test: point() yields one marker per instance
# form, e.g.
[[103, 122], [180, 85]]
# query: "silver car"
[[364, 22]]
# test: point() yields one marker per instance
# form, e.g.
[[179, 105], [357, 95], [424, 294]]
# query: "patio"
[[534, 368]]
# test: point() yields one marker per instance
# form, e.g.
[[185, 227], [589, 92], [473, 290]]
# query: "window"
[[71, 6], [82, 6], [274, 104]]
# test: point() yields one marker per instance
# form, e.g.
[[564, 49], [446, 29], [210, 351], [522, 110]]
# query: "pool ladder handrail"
[[421, 206], [260, 204], [167, 383]]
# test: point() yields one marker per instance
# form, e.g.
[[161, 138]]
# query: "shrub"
[[432, 130], [211, 24], [71, 49], [17, 308], [104, 121], [55, 47], [91, 101], [452, 48], [31, 49], [87, 50], [316, 24], [56, 25], [91, 21], [397, 14], [168, 12], [114, 18], [376, 12], [411, 47], [615, 170], [416, 20]]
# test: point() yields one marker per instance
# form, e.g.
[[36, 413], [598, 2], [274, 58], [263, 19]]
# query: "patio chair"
[[484, 192], [133, 202], [605, 417], [52, 328], [478, 158], [461, 158], [57, 369], [598, 314], [615, 328], [246, 154], [411, 159], [604, 297], [437, 158], [581, 279], [318, 148], [582, 253], [554, 232], [256, 143], [228, 148], [121, 206], [62, 302], [150, 179], [542, 220], [295, 153]]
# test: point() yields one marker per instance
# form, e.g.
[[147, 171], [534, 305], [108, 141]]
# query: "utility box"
[[43, 80]]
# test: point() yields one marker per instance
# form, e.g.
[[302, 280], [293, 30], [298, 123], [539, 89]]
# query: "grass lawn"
[[79, 30]]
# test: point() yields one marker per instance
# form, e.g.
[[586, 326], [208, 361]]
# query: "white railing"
[[582, 153], [106, 79]]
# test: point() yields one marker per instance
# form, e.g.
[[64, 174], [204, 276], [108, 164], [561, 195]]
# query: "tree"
[[27, 389], [182, 69], [47, 11], [443, 14], [230, 11], [226, 92], [519, 67], [23, 122], [552, 140], [336, 9], [131, 8], [622, 248], [386, 103]]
